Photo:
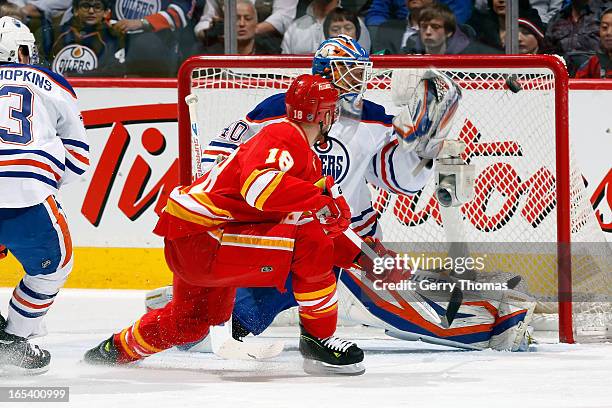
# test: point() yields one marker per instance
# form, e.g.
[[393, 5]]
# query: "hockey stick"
[[414, 298], [225, 346], [458, 248], [222, 342], [196, 147]]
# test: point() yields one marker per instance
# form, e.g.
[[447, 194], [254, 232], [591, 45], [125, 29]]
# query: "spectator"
[[87, 43], [11, 10], [39, 15], [341, 21], [490, 27], [152, 34], [546, 8], [306, 33], [246, 26], [600, 65], [531, 36], [392, 35], [438, 34], [274, 20], [42, 8], [383, 10], [573, 33]]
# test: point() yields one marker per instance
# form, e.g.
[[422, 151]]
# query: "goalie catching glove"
[[425, 118], [334, 214]]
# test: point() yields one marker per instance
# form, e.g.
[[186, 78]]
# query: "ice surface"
[[399, 373]]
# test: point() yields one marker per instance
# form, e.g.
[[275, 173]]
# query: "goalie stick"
[[414, 298], [222, 342], [196, 147]]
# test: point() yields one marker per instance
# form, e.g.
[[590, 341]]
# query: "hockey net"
[[530, 206]]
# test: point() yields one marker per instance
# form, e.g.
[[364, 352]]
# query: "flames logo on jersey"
[[76, 58], [334, 158]]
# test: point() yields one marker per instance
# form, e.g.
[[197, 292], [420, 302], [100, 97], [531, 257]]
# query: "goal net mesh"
[[507, 120]]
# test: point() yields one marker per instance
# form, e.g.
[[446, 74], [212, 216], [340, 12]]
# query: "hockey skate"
[[19, 357], [104, 353], [330, 356]]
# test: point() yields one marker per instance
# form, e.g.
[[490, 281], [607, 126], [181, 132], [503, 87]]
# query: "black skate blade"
[[319, 368]]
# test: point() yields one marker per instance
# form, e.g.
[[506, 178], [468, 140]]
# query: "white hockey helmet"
[[13, 34]]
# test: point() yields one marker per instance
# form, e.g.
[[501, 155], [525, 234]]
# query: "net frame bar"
[[561, 82]]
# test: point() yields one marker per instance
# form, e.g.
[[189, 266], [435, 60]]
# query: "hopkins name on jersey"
[[42, 139], [358, 151]]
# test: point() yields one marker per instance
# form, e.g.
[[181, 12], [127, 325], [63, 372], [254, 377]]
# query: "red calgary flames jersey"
[[270, 176]]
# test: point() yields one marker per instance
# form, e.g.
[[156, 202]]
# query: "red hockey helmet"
[[311, 99]]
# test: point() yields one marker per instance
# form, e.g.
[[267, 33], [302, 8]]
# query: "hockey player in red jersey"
[[250, 221]]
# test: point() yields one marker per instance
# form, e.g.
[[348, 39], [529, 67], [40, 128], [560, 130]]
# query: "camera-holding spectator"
[[531, 36], [438, 34], [392, 35], [600, 64], [490, 26], [574, 33], [306, 33], [246, 27], [383, 10], [87, 43], [275, 17]]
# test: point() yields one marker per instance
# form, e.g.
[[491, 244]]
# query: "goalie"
[[366, 146]]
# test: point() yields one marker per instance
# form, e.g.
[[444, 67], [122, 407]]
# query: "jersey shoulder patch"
[[273, 107], [373, 112]]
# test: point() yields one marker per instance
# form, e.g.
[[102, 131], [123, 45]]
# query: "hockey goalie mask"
[[345, 63], [13, 34]]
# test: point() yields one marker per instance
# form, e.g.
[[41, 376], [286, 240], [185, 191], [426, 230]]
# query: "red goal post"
[[556, 80]]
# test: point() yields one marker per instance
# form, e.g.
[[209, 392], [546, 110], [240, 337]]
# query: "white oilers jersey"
[[42, 138], [356, 152]]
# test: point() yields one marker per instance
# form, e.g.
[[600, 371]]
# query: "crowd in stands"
[[135, 38]]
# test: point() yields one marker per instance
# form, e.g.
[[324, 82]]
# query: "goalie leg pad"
[[510, 330]]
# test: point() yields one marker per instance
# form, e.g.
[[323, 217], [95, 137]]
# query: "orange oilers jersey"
[[265, 179]]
